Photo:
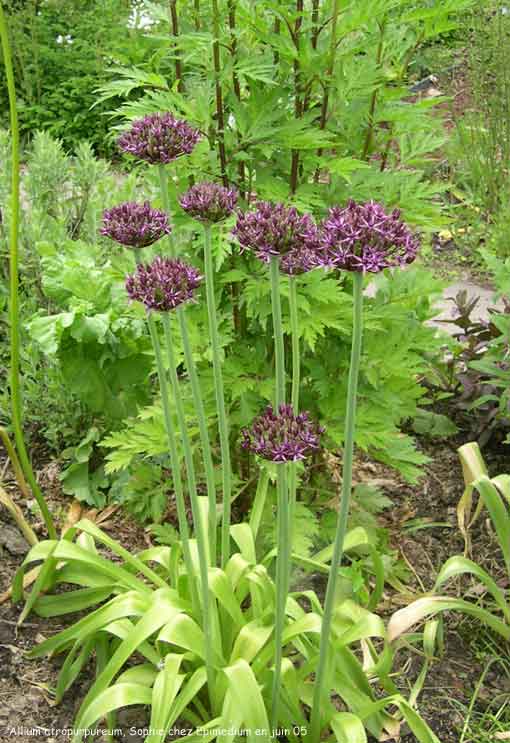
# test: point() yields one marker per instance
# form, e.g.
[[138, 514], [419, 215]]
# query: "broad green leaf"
[[115, 697], [246, 694], [348, 728]]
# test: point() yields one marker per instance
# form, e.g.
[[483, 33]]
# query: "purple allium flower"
[[163, 284], [159, 138], [275, 229], [363, 237], [282, 436], [135, 225], [209, 202]]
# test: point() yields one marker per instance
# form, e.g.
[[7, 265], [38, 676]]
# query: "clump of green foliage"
[[62, 51]]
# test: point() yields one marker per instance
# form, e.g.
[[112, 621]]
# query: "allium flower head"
[[209, 202], [363, 237], [163, 284], [282, 436], [275, 229], [159, 138], [135, 225]]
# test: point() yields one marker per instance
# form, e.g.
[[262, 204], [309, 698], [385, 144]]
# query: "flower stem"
[[220, 396], [282, 585], [294, 326], [350, 422], [163, 185], [276, 306], [174, 460], [197, 520], [204, 431], [296, 370], [14, 319]]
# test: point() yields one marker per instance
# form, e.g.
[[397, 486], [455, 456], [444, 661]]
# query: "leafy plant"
[[494, 611], [154, 617]]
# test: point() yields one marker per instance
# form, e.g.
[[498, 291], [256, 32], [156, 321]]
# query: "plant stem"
[[282, 585], [294, 326], [298, 102], [196, 14], [204, 431], [174, 460], [328, 77], [174, 20], [200, 536], [220, 395], [373, 100], [220, 113], [341, 528], [232, 7], [14, 319], [163, 184], [277, 331]]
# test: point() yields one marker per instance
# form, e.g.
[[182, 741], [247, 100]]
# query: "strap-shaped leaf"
[[221, 587], [115, 697], [348, 728], [128, 604], [163, 607], [250, 640], [71, 601], [459, 565], [243, 537], [144, 674], [429, 606], [74, 662], [90, 528], [166, 687], [246, 694]]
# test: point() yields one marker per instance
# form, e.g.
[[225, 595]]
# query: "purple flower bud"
[[135, 225], [163, 284], [274, 229], [209, 202], [282, 436], [363, 237], [159, 138]]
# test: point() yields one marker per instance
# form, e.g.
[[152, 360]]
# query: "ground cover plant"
[[238, 325]]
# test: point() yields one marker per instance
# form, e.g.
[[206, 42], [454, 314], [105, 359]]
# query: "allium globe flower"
[[363, 237], [274, 229], [163, 284], [282, 436], [159, 138], [209, 202], [135, 225]]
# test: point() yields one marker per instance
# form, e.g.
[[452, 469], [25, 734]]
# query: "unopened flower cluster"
[[163, 284], [364, 237], [282, 436], [274, 229], [209, 202], [159, 138], [135, 225]]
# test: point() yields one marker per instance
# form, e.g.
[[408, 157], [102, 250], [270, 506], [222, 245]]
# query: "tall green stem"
[[279, 351], [296, 371], [163, 185], [14, 320], [350, 423], [174, 461], [220, 396], [283, 553], [282, 585], [195, 508], [204, 431], [294, 329]]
